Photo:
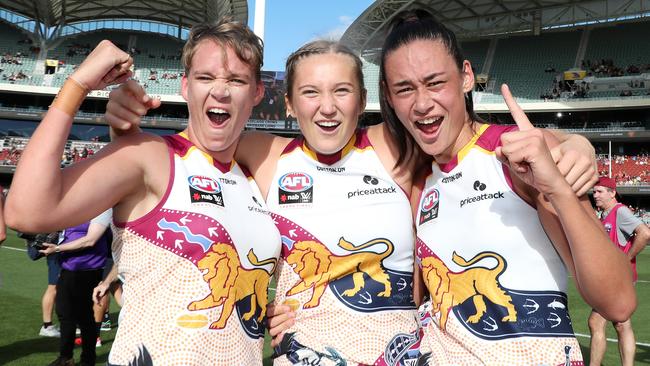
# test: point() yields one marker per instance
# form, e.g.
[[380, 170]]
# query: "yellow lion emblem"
[[229, 282], [317, 266], [449, 289]]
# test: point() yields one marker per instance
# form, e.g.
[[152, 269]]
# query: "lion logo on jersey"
[[317, 267], [449, 289], [229, 282]]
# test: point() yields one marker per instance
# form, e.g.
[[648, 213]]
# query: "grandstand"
[[580, 66], [568, 71]]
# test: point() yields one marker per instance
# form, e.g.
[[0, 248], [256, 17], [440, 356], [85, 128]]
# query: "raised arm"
[[43, 197], [602, 274]]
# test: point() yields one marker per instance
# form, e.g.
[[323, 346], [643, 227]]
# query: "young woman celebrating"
[[484, 209], [195, 278]]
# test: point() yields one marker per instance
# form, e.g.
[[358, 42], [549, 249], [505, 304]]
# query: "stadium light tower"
[[258, 22]]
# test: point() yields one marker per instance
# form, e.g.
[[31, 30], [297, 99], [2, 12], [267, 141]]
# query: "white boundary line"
[[24, 250], [612, 340], [637, 281]]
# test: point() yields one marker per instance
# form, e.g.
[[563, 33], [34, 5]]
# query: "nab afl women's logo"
[[205, 189], [204, 184], [430, 200], [296, 182], [295, 187], [429, 206]]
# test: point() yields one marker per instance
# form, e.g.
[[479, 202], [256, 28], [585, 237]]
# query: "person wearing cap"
[[630, 235]]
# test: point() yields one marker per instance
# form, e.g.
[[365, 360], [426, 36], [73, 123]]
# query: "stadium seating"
[[521, 61], [627, 169], [524, 62], [475, 52], [153, 55], [11, 149], [625, 44], [370, 79]]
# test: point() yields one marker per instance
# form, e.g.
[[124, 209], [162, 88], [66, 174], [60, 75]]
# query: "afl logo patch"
[[205, 189], [295, 182], [429, 205], [294, 188], [204, 184]]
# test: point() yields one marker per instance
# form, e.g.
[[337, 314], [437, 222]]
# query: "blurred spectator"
[[83, 255], [630, 235], [35, 243]]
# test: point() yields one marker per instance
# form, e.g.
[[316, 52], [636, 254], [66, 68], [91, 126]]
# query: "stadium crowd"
[[626, 169], [598, 68], [12, 149]]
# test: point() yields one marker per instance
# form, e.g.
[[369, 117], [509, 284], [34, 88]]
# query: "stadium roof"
[[181, 13], [471, 19]]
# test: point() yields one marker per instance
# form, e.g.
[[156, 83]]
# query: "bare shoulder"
[[146, 159], [256, 149], [387, 151], [137, 148]]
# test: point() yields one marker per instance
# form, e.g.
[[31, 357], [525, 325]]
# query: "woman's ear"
[[468, 77], [287, 104]]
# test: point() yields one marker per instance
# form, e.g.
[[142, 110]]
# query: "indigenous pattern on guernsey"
[[347, 262], [196, 268], [497, 285]]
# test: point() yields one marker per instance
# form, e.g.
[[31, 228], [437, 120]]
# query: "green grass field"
[[22, 282]]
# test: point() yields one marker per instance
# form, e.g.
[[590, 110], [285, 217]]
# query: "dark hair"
[[226, 33], [321, 47], [406, 27]]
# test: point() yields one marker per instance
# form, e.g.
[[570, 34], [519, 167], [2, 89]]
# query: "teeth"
[[327, 123], [429, 121], [217, 111]]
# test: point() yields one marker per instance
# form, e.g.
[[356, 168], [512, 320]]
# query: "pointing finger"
[[515, 110], [137, 90]]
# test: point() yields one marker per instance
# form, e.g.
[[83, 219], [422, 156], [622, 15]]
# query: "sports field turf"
[[22, 282]]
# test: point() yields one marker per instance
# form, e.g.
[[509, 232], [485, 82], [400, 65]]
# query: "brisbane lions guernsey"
[[196, 268], [347, 258], [497, 285]]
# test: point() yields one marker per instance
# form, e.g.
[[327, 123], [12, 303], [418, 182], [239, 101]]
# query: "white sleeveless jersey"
[[197, 268], [497, 285], [347, 258]]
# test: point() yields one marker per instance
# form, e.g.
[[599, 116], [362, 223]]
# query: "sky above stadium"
[[291, 23]]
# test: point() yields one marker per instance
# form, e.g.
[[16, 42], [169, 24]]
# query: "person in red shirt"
[[630, 235]]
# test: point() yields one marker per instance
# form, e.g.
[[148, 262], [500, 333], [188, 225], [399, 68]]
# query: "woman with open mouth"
[[499, 230]]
